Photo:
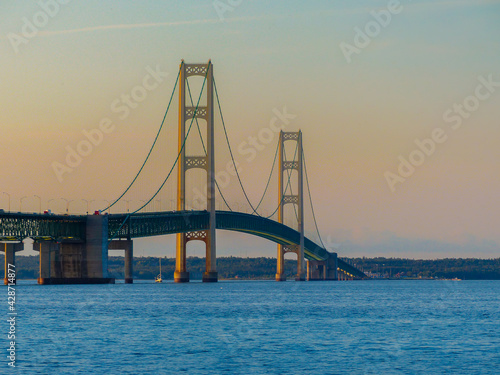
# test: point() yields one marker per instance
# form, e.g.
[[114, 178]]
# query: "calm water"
[[367, 327]]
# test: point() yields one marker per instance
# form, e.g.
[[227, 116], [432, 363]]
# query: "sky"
[[398, 102]]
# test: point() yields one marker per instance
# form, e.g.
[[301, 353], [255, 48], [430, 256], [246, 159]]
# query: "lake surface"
[[240, 327]]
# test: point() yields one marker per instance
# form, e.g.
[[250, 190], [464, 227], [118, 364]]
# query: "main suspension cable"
[[154, 143], [182, 146], [310, 200], [286, 187], [254, 209]]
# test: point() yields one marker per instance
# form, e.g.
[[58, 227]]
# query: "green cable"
[[154, 143]]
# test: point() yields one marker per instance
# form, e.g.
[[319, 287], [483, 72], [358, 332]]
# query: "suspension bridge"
[[74, 248]]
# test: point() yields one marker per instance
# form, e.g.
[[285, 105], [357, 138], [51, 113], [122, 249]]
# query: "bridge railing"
[[18, 226], [156, 224]]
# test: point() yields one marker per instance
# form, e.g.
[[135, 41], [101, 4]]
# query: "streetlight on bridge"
[[48, 203], [88, 204], [7, 194], [68, 201], [128, 204]]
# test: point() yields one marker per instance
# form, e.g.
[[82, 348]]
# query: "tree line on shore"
[[462, 268], [265, 268]]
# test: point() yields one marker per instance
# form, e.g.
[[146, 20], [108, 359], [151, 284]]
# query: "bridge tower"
[[297, 199], [207, 163]]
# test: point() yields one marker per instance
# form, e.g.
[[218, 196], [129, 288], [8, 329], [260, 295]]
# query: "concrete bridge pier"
[[96, 247], [50, 266], [297, 249], [128, 246], [181, 275], [324, 269], [129, 263], [72, 261], [280, 271], [55, 261], [10, 258], [342, 276], [316, 270], [84, 262]]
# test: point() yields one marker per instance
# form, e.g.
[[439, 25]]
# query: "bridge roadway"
[[72, 229]]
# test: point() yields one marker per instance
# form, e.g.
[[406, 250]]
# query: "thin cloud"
[[125, 27], [158, 24], [48, 33]]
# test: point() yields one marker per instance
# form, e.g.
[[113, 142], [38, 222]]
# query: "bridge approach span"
[[16, 227]]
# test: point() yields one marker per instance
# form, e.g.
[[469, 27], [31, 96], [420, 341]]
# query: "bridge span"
[[74, 248]]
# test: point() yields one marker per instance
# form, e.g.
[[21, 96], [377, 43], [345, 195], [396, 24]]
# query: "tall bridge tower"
[[205, 162], [296, 199]]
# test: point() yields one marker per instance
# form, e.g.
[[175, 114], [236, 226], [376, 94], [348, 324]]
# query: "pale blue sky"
[[357, 117]]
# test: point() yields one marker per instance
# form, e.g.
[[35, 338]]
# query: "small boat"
[[158, 278]]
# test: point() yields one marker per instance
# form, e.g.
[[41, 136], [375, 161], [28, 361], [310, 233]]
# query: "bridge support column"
[[316, 270], [280, 273], [323, 269], [71, 257], [96, 249], [308, 271], [47, 253], [332, 264], [10, 258], [44, 262], [129, 263], [55, 262], [128, 246], [180, 274]]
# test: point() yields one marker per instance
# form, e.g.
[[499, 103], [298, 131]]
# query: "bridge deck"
[[65, 228]]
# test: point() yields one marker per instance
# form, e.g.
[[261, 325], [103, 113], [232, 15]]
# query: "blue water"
[[360, 327]]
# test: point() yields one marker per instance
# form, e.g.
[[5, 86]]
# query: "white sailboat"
[[158, 278]]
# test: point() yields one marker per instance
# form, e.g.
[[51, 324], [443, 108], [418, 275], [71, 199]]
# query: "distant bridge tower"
[[296, 199], [187, 113]]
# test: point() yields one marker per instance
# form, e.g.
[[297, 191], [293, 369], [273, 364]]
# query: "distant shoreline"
[[264, 268]]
